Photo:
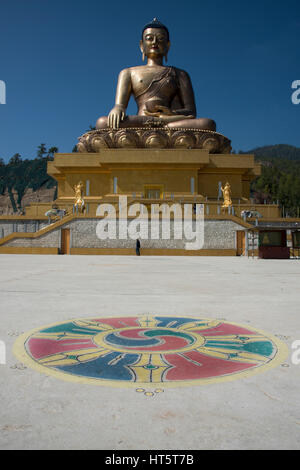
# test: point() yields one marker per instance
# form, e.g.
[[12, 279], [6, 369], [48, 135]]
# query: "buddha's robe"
[[163, 89]]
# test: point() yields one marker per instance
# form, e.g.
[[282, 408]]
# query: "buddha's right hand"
[[116, 115]]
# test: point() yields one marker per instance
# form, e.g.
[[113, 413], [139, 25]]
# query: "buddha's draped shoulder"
[[164, 84]]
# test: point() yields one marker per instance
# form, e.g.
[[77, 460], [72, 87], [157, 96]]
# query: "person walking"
[[138, 247]]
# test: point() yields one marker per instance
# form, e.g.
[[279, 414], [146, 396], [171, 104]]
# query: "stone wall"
[[8, 226], [218, 234]]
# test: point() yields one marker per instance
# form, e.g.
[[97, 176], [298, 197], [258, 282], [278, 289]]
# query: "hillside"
[[26, 181], [280, 177], [280, 151], [42, 194]]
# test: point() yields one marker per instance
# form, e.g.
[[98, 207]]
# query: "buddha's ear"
[[142, 50], [166, 54]]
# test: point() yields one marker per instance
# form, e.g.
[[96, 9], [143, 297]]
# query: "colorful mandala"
[[146, 350]]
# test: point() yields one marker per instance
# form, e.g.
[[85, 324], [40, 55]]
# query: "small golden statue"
[[79, 201], [226, 195]]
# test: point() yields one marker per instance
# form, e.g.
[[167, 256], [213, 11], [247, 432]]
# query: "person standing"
[[138, 247]]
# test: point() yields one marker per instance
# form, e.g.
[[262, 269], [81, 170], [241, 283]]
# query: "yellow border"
[[27, 250], [21, 354]]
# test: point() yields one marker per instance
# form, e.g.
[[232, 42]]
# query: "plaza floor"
[[41, 411]]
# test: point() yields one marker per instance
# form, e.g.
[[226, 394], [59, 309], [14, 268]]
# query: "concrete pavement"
[[42, 412]]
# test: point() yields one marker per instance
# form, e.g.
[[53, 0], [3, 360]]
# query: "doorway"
[[240, 242], [154, 191], [65, 241]]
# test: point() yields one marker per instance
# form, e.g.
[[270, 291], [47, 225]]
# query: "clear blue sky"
[[60, 61]]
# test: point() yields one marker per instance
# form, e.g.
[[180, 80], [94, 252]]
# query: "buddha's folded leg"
[[201, 123], [128, 121], [102, 123]]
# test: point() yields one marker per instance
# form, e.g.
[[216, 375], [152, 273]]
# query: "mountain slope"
[[280, 177], [270, 152]]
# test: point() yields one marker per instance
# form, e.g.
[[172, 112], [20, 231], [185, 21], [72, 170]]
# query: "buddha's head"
[[155, 40]]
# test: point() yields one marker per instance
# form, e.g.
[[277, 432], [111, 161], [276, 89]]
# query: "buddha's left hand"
[[157, 110]]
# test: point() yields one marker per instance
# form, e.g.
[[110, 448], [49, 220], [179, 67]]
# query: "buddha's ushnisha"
[[164, 95]]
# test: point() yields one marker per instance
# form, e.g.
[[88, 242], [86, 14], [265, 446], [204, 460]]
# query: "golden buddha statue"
[[79, 201], [164, 95], [166, 115], [226, 195]]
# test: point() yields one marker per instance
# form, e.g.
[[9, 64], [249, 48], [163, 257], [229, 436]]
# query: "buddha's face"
[[155, 42]]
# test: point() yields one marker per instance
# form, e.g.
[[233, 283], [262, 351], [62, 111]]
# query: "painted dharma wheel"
[[145, 350]]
